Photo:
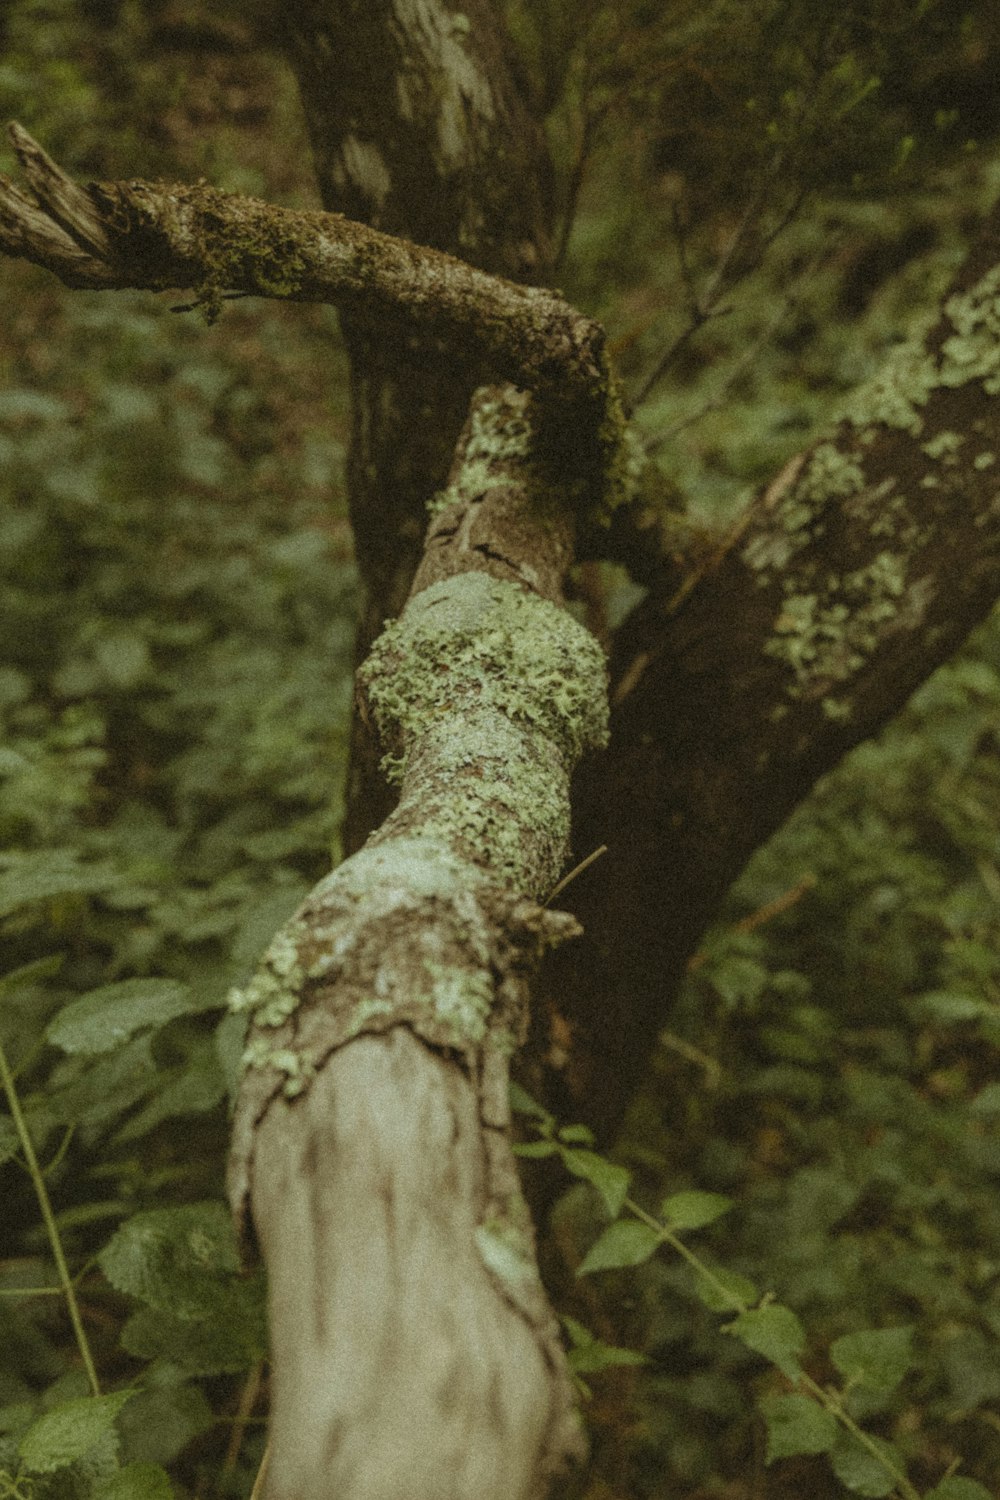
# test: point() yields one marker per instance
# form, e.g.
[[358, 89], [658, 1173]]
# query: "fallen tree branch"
[[414, 1352], [158, 236]]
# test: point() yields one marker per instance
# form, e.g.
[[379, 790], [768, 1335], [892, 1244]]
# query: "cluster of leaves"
[[831, 1070], [807, 1418], [179, 606], [762, 195]]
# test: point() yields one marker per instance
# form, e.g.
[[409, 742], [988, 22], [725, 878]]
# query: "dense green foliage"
[[177, 603]]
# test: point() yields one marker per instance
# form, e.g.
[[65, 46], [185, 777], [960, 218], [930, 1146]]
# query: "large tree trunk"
[[418, 128]]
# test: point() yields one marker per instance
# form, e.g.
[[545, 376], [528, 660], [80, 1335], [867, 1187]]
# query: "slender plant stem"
[[44, 1203], [831, 1400]]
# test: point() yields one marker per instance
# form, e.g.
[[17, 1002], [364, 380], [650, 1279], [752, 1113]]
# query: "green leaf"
[[958, 1488], [951, 1006], [795, 1424], [987, 1101], [588, 1354], [108, 1086], [139, 1482], [624, 1243], [534, 1150], [522, 1103], [229, 1335], [172, 1258], [123, 657], [40, 968], [104, 1018], [64, 1435], [46, 875], [876, 1358], [597, 1356], [163, 1419], [861, 1471], [576, 1135], [693, 1210], [611, 1181], [773, 1331], [727, 1291]]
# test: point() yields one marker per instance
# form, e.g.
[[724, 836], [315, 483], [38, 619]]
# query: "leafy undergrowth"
[[829, 1079], [178, 604]]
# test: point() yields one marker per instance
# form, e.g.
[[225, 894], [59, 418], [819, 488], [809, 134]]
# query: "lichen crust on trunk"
[[485, 643]]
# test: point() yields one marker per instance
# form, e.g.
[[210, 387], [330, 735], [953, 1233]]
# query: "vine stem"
[[44, 1203], [830, 1400]]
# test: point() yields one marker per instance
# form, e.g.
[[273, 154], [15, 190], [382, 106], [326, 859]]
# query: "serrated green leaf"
[[624, 1243], [876, 1358], [727, 1291], [162, 1420], [773, 1331], [611, 1181], [139, 1482], [861, 1471], [62, 1436], [795, 1424], [105, 1018], [693, 1210], [110, 1084], [173, 1258], [957, 1487], [229, 1336]]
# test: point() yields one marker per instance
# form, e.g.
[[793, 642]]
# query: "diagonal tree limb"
[[861, 567], [414, 1351]]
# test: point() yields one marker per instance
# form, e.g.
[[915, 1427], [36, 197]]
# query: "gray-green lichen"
[[440, 971], [489, 780], [499, 429], [272, 993], [473, 642], [826, 636], [828, 474], [910, 376]]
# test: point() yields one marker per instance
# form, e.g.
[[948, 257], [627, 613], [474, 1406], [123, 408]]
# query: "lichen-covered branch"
[[158, 236], [861, 566], [413, 1348]]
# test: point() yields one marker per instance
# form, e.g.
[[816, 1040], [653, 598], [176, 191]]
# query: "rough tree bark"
[[398, 993], [419, 128]]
